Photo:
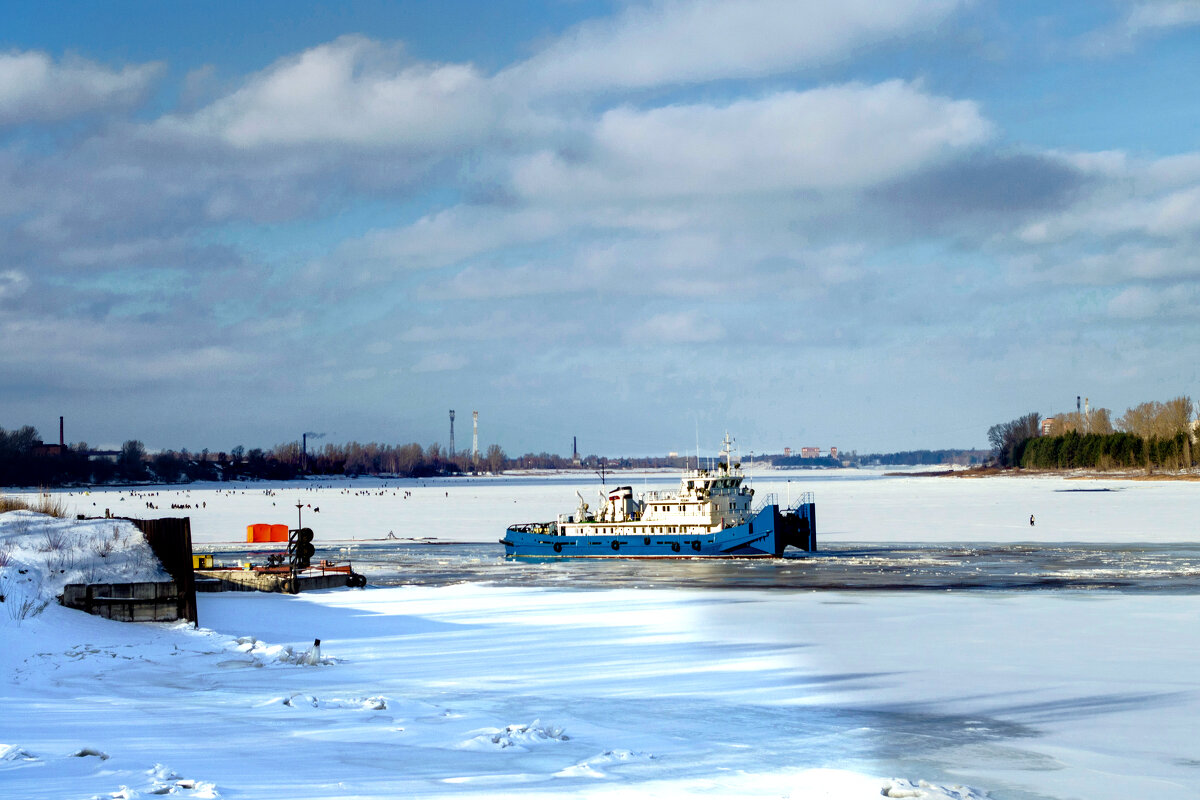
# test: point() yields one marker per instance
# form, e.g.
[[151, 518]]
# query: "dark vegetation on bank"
[[26, 461], [1149, 436]]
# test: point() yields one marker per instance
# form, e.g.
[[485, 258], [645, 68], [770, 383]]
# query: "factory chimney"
[[61, 441], [475, 440]]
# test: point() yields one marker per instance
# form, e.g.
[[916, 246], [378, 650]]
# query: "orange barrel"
[[262, 532], [279, 533]]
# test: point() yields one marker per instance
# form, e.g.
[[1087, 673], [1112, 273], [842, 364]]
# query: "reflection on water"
[[1008, 567]]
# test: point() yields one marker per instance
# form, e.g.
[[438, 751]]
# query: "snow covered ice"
[[485, 690]]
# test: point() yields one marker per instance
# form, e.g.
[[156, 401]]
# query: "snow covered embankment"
[[40, 554]]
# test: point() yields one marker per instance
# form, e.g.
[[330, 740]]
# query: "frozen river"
[[937, 636], [853, 506], [959, 567]]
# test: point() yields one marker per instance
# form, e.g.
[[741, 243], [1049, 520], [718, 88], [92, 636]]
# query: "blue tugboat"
[[712, 515]]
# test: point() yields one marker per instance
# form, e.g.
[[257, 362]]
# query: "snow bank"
[[499, 691], [40, 554]]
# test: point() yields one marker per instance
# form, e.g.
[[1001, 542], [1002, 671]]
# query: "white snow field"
[[852, 506], [475, 690]]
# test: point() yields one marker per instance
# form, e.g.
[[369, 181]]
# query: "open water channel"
[[842, 567]]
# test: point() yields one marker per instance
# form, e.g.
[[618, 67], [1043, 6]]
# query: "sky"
[[877, 224]]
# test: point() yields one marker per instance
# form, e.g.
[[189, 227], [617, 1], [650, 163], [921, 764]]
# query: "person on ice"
[[1031, 520]]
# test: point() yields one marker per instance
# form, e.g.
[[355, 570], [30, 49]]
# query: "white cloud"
[[452, 235], [440, 362], [1163, 15], [351, 91], [117, 353], [1143, 20], [848, 136], [1153, 302], [1126, 263], [1159, 199], [674, 328], [673, 41], [13, 284], [33, 88]]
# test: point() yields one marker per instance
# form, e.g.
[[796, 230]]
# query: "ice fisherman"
[[1031, 520]]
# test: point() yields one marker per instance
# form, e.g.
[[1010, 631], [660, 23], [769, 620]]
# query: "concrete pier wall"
[[126, 602]]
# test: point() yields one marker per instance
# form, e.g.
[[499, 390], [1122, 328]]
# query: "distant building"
[[46, 450], [1047, 424], [787, 451], [833, 452], [810, 452]]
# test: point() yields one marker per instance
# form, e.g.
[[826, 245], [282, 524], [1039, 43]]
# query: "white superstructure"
[[707, 501]]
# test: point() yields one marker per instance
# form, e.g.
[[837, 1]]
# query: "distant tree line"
[[20, 464], [1150, 435], [25, 461], [803, 461], [923, 457]]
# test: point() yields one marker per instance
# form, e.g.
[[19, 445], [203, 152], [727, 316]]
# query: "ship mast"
[[727, 449]]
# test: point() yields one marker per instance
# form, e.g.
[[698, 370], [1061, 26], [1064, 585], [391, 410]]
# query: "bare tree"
[[1066, 422], [1007, 438], [1140, 420], [1177, 415], [1100, 421], [1161, 420], [495, 459]]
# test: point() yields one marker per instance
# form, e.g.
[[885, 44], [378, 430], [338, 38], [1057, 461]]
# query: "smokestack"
[[475, 440], [61, 442]]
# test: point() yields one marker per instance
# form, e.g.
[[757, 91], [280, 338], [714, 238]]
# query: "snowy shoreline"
[[469, 689], [480, 691]]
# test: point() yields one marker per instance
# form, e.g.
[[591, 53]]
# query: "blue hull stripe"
[[766, 535]]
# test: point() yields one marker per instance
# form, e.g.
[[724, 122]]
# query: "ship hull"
[[766, 535]]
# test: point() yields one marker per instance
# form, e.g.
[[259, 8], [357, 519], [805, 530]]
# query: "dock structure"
[[246, 580], [164, 601]]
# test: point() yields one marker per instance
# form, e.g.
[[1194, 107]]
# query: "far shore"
[[1071, 475]]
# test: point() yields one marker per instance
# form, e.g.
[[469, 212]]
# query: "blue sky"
[[878, 225]]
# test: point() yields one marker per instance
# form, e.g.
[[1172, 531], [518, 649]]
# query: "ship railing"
[[805, 499], [767, 500], [539, 528]]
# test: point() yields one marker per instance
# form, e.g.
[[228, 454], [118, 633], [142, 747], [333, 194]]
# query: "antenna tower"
[[452, 433], [475, 440]]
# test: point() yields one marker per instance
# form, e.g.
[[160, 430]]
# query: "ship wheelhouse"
[[706, 501]]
